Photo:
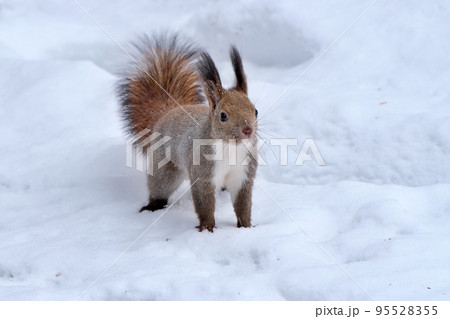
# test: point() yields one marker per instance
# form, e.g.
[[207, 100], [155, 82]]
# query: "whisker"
[[265, 142]]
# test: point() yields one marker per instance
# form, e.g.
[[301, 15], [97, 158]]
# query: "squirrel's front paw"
[[242, 222], [209, 226]]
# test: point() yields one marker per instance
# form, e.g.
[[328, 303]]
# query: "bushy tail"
[[162, 77]]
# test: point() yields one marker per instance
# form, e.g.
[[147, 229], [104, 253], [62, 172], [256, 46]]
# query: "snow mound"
[[261, 34]]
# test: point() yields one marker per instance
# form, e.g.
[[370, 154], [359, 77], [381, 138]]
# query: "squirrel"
[[176, 91]]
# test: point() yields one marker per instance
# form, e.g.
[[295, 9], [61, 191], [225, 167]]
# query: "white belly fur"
[[231, 170]]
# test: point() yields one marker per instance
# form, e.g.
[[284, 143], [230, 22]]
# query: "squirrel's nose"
[[247, 131]]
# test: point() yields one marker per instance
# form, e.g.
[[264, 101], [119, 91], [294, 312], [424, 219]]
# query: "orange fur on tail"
[[162, 77]]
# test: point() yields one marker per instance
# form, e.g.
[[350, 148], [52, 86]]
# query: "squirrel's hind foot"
[[154, 204]]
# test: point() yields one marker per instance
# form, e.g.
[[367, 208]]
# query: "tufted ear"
[[241, 80], [211, 78]]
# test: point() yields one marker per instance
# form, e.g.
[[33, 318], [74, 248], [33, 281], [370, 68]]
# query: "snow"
[[376, 106]]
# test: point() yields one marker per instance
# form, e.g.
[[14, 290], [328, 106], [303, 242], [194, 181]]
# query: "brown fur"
[[165, 61]]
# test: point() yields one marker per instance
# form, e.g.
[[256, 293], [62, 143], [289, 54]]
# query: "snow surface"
[[376, 105]]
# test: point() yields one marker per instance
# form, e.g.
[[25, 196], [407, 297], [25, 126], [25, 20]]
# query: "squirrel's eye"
[[256, 112], [223, 117]]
